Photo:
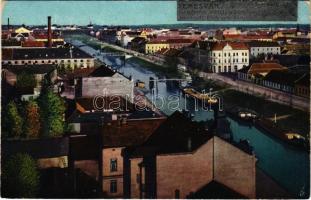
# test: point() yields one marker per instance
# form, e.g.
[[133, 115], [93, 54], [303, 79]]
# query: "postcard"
[[171, 99]]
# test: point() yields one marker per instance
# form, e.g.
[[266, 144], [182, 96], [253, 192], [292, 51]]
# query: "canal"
[[288, 166]]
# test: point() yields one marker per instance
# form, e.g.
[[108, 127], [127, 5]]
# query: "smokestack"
[[8, 23], [49, 32]]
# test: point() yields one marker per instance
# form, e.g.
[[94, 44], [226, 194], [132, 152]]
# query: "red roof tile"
[[235, 45]]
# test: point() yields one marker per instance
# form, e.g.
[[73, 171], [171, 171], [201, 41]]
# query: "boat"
[[140, 84], [197, 95]]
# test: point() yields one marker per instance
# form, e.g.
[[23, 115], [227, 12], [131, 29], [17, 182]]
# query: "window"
[[225, 54], [75, 60], [42, 61], [113, 165], [113, 186]]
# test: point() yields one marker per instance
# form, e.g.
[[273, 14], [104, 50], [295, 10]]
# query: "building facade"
[[264, 48], [73, 58], [229, 57]]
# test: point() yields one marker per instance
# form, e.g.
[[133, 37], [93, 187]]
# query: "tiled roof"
[[180, 40], [265, 67], [282, 77], [42, 53], [29, 43], [173, 136], [234, 45], [262, 44]]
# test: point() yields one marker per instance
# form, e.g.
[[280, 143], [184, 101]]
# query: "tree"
[[25, 80], [13, 121], [32, 120], [52, 109], [20, 177]]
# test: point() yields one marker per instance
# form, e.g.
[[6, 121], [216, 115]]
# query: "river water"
[[288, 166]]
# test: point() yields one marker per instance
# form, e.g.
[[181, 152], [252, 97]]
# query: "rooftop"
[[42, 53], [265, 67], [282, 77], [32, 69], [234, 45], [262, 44], [173, 136]]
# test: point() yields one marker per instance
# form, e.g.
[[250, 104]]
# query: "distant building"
[[264, 48], [179, 43], [264, 68], [229, 56], [138, 44], [106, 82], [154, 46], [281, 80], [69, 57]]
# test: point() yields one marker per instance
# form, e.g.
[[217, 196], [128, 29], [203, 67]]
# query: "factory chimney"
[[49, 32], [8, 23]]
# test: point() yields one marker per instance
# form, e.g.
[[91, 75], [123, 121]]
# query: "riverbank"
[[295, 120]]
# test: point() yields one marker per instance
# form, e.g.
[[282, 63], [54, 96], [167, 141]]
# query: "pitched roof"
[[180, 41], [234, 45], [32, 69], [42, 53], [173, 136], [265, 67], [262, 44], [215, 190], [282, 77], [29, 43], [102, 71], [292, 60]]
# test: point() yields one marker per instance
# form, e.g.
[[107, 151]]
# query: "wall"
[[185, 172], [120, 86], [219, 60], [134, 184], [234, 168]]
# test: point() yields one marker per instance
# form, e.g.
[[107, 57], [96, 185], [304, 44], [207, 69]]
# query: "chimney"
[[8, 23], [49, 32]]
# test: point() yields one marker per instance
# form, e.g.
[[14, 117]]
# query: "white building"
[[229, 56], [257, 48], [69, 57]]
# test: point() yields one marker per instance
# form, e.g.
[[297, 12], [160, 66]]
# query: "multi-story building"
[[180, 158], [264, 48], [229, 56], [154, 46], [68, 57]]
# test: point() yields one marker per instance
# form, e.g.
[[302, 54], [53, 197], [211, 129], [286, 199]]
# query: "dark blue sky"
[[105, 12]]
